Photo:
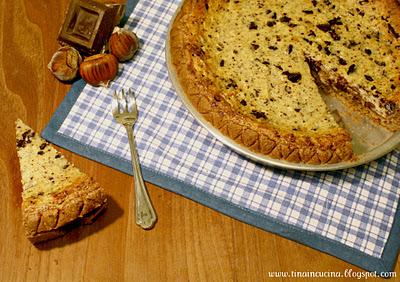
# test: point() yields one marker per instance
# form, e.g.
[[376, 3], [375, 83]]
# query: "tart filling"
[[257, 66], [56, 195]]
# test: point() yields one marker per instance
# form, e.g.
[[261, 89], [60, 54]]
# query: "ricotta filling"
[[257, 49], [44, 171]]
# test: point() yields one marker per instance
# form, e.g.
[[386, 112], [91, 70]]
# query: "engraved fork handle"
[[145, 215]]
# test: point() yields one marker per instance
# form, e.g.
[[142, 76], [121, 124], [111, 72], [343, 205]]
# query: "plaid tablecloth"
[[349, 214]]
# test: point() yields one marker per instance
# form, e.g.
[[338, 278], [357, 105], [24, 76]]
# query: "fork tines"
[[124, 101]]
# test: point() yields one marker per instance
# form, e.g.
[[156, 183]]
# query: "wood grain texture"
[[189, 243]]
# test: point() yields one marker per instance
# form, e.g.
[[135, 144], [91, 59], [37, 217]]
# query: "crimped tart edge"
[[81, 202], [261, 138]]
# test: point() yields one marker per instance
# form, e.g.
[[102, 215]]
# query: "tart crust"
[[79, 203], [187, 58], [56, 195]]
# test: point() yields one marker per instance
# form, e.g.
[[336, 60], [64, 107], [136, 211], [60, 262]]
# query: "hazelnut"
[[123, 44], [65, 63], [99, 70]]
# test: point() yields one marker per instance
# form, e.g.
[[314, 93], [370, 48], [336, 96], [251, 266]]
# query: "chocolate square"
[[120, 10], [87, 26]]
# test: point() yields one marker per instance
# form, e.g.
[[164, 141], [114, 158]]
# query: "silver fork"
[[125, 112]]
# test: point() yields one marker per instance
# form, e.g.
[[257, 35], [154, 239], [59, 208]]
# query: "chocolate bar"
[[87, 26], [120, 12]]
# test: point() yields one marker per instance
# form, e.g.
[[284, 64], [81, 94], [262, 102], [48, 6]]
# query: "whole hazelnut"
[[65, 63], [123, 44], [99, 70]]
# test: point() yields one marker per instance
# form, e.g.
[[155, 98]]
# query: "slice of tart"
[[254, 68], [56, 195]]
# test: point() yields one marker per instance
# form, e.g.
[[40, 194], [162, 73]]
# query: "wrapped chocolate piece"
[[87, 26]]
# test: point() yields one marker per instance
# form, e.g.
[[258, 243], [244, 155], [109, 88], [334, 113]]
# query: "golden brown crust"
[[54, 233], [187, 58], [76, 202], [55, 193]]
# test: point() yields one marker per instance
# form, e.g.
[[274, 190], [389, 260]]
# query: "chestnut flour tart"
[[254, 69]]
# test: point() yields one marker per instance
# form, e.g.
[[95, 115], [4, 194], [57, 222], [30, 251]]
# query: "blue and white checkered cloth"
[[355, 207]]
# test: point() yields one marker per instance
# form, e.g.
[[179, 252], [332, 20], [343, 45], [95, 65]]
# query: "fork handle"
[[145, 215]]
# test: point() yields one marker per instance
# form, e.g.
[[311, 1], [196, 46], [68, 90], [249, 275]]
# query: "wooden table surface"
[[189, 243]]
